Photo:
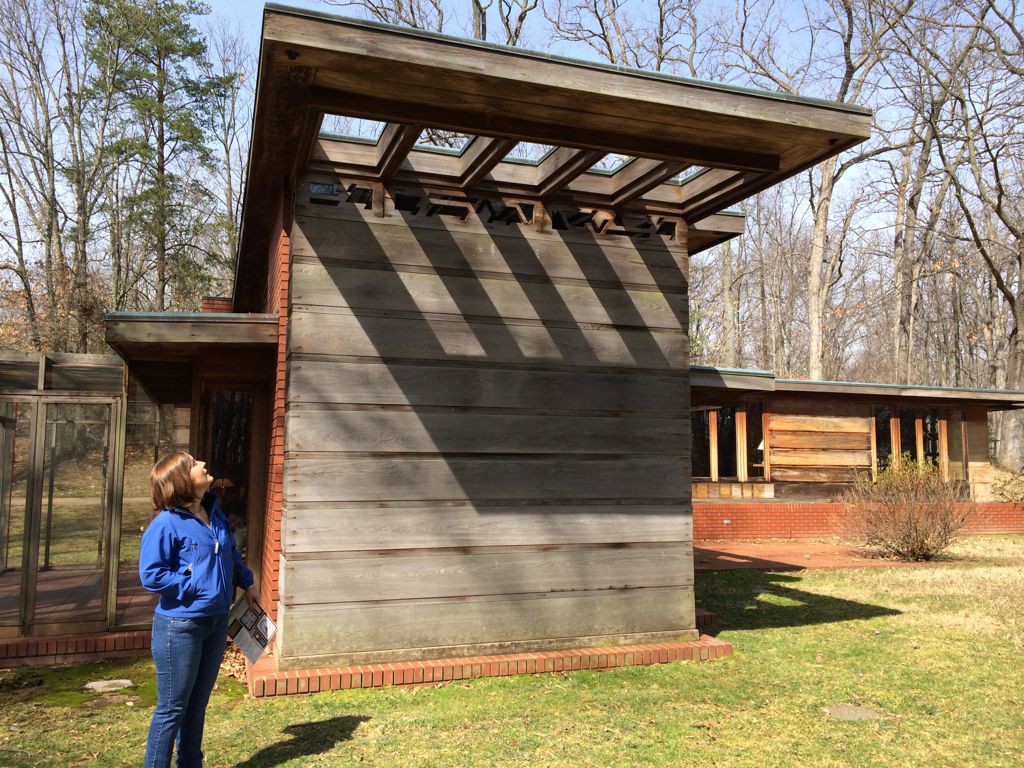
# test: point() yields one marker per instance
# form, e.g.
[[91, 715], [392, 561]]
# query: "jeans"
[[187, 654]]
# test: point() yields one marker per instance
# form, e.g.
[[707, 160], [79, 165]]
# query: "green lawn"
[[935, 650]]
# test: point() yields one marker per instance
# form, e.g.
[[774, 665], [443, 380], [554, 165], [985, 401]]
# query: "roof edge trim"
[[594, 65]]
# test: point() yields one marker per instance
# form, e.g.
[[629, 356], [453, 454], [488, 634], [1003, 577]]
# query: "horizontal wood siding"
[[818, 441], [519, 570], [360, 633], [313, 529], [487, 437]]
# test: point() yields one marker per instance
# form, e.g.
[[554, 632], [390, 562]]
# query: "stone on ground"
[[103, 686]]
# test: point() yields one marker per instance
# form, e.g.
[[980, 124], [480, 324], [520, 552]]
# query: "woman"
[[188, 555]]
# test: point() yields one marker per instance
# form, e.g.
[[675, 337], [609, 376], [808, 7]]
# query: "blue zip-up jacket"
[[190, 564]]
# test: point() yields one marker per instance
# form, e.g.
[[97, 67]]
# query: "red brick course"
[[276, 302], [72, 649], [217, 304], [444, 670], [809, 519]]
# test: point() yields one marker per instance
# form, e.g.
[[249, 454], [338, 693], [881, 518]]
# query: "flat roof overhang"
[[162, 348], [726, 386], [698, 148], [993, 399]]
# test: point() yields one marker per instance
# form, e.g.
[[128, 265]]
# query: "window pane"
[[73, 526], [908, 433], [930, 428], [883, 437], [15, 450], [955, 440], [726, 442], [755, 434], [700, 444], [149, 436]]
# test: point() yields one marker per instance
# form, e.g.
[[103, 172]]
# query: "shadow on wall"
[[472, 375]]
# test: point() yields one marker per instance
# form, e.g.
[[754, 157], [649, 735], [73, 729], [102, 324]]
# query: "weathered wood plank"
[[437, 624], [408, 577], [410, 432], [825, 440], [791, 457], [325, 527], [507, 251], [333, 333], [328, 381], [404, 479], [787, 423], [820, 406], [976, 433], [149, 328], [337, 286], [816, 474]]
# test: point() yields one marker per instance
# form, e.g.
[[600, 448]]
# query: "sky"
[[249, 15]]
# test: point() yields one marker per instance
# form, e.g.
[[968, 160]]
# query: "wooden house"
[[451, 393], [467, 373], [755, 436]]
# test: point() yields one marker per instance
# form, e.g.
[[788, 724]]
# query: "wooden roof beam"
[[562, 166], [393, 147], [447, 113], [639, 177], [480, 158], [714, 190]]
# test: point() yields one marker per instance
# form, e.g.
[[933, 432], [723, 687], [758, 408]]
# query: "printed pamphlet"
[[250, 629]]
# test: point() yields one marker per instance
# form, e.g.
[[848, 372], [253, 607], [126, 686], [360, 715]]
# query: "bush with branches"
[[910, 512]]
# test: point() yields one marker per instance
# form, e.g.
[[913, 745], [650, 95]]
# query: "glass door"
[[16, 439], [72, 530], [55, 513]]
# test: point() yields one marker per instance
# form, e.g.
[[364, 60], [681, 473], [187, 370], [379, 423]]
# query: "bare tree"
[[832, 51], [230, 63], [972, 68], [668, 40]]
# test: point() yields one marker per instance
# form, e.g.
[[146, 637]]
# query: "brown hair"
[[170, 482]]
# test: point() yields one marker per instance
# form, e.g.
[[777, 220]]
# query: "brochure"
[[250, 629]]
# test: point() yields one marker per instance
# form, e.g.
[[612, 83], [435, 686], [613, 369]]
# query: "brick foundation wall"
[[446, 670], [809, 519], [73, 649]]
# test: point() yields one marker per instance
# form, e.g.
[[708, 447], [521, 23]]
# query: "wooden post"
[[766, 457], [713, 443], [944, 447], [919, 434], [894, 437], [741, 444], [115, 513], [874, 448]]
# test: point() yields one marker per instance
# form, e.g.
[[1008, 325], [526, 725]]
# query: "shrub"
[[909, 512]]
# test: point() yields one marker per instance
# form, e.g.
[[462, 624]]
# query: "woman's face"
[[201, 479]]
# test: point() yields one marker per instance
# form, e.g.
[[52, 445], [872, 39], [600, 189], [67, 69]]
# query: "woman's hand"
[[252, 595]]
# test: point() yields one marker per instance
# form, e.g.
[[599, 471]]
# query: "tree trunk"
[[817, 288], [728, 301]]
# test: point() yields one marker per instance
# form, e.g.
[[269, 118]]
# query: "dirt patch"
[[852, 713], [110, 699]]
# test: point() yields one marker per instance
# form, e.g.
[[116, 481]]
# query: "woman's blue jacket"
[[193, 566]]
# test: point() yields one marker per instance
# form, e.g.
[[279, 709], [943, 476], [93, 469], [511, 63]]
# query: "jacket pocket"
[[203, 590]]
